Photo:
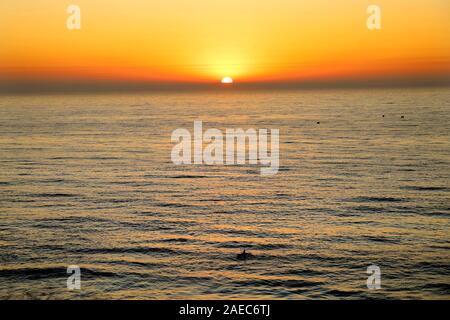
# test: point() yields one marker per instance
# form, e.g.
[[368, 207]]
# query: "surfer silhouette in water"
[[244, 255]]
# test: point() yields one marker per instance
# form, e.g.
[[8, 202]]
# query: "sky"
[[200, 41]]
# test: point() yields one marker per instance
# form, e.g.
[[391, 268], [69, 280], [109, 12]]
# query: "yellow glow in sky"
[[206, 40]]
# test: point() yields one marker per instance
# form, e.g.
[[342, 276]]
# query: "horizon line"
[[20, 87]]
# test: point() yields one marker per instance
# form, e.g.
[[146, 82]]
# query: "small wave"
[[280, 283], [419, 188], [127, 250], [436, 214], [269, 246], [188, 177], [75, 219], [342, 293], [282, 195], [103, 158], [367, 209], [212, 200], [65, 158], [53, 195], [49, 272], [440, 247], [53, 181], [376, 199], [120, 200], [433, 267], [176, 240], [172, 205], [442, 288], [194, 279], [299, 272], [239, 232], [381, 239]]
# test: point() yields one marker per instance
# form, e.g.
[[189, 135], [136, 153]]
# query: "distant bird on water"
[[244, 255]]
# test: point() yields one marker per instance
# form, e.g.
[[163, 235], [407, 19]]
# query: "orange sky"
[[205, 40]]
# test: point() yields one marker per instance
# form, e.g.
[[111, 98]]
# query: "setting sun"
[[227, 80]]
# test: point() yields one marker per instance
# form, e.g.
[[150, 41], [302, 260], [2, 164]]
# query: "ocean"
[[363, 180]]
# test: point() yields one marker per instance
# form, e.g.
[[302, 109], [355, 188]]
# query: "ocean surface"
[[88, 180]]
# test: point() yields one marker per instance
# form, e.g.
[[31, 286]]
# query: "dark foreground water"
[[88, 180]]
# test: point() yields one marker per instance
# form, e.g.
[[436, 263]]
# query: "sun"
[[226, 80]]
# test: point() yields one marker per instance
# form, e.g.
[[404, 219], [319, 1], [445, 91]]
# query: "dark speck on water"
[[244, 255]]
